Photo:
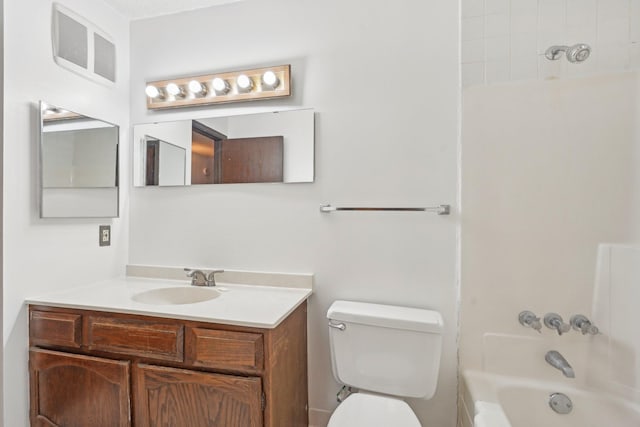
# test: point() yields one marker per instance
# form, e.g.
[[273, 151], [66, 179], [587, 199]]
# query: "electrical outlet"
[[104, 238]]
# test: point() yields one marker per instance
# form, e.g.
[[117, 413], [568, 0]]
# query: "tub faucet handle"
[[554, 321], [584, 325], [530, 320]]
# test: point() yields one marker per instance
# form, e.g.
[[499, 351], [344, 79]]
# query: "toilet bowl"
[[362, 409], [386, 352]]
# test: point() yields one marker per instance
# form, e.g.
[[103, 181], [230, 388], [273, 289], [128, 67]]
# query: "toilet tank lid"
[[389, 316]]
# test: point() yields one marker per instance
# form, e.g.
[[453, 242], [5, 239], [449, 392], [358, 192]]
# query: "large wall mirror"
[[250, 148], [78, 165]]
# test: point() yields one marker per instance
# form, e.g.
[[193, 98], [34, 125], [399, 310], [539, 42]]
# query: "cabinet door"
[[168, 397], [69, 390]]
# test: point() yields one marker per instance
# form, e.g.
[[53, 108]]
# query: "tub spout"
[[556, 360]]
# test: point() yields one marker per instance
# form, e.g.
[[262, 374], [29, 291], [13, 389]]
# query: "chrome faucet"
[[556, 360], [198, 278], [554, 321]]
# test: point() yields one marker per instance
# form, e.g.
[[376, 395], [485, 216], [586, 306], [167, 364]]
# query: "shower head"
[[578, 53], [575, 54]]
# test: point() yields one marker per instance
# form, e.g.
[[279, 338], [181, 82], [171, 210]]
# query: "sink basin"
[[176, 295]]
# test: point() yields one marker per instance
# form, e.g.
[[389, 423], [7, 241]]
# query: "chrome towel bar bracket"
[[440, 210]]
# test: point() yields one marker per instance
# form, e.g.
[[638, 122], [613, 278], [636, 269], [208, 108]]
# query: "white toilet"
[[387, 353]]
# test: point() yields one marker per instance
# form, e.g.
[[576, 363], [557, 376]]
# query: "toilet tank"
[[386, 349]]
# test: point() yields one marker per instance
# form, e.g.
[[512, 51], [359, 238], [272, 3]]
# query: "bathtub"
[[491, 400]]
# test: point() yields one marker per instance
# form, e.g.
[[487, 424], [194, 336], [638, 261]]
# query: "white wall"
[[549, 172], [47, 255], [383, 79]]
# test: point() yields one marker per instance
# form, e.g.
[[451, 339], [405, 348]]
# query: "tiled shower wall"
[[505, 40]]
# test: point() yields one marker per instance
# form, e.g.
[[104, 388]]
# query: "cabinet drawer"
[[157, 340], [224, 349], [48, 328]]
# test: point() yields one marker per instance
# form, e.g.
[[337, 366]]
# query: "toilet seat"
[[369, 410]]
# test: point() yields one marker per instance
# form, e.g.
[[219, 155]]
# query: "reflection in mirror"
[[78, 165], [165, 163], [252, 148]]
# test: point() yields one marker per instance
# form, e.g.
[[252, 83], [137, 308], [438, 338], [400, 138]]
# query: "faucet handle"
[[211, 278], [584, 325], [554, 321], [530, 320]]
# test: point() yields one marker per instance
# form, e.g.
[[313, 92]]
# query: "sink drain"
[[560, 403]]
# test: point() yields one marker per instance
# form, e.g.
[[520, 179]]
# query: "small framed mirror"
[[78, 165]]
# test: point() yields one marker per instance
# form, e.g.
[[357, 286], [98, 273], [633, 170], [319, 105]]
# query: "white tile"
[[524, 67], [634, 56], [496, 48], [473, 28], [496, 25], [612, 32], [493, 7], [581, 34], [552, 15], [524, 45], [634, 18], [549, 70], [472, 51], [547, 39], [524, 21], [582, 13], [612, 10], [472, 74], [612, 58], [472, 8], [497, 71], [528, 5]]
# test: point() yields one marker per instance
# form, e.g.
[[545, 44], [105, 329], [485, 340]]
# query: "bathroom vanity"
[[163, 365]]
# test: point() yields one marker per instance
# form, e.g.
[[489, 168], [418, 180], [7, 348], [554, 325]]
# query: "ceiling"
[[137, 9]]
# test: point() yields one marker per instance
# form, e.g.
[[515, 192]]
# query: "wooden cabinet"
[[97, 369]]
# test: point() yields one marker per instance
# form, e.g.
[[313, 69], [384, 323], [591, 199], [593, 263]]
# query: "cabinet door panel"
[[69, 390], [168, 397]]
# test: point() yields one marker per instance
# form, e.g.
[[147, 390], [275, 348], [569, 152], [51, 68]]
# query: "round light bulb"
[[244, 82], [270, 79], [174, 89], [196, 87], [220, 85], [152, 91]]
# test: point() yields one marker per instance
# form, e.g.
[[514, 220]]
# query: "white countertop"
[[241, 305]]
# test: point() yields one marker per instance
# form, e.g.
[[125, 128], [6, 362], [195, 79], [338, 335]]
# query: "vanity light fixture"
[[233, 86]]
